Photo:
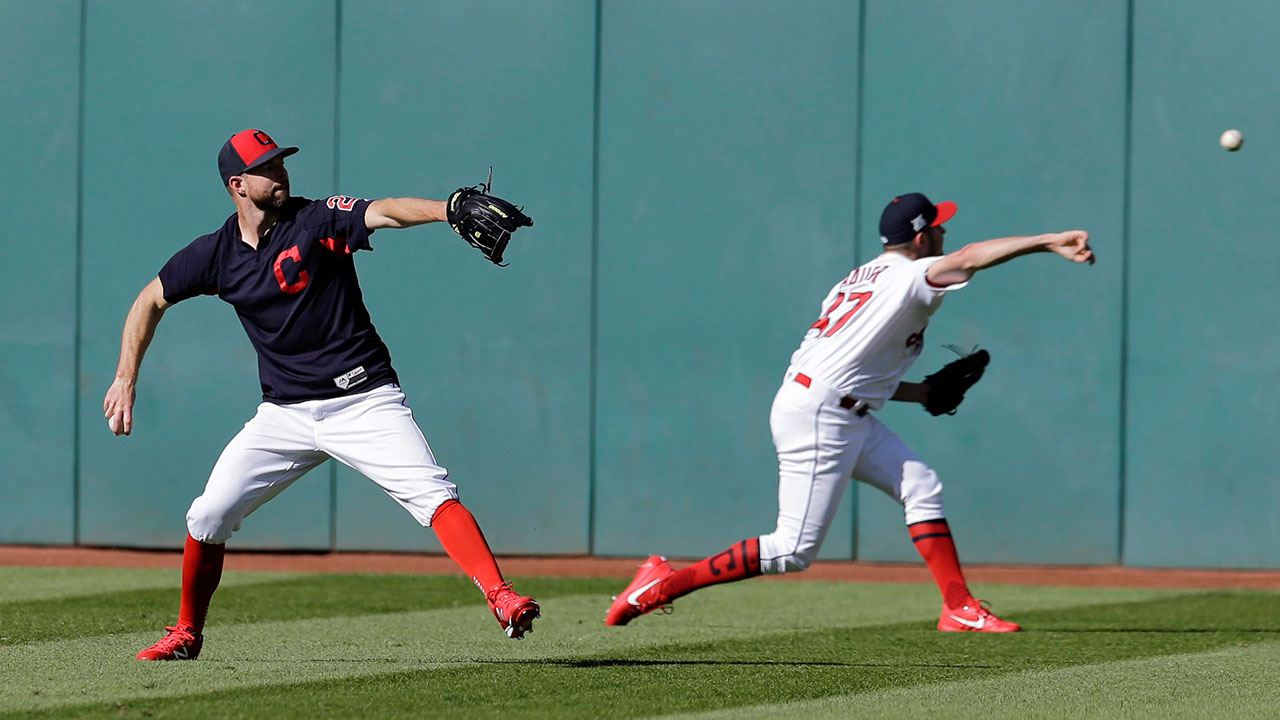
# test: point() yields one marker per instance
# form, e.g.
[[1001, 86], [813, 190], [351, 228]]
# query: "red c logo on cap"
[[251, 144]]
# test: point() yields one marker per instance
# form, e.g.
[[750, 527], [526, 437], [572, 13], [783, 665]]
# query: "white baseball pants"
[[373, 432], [820, 446]]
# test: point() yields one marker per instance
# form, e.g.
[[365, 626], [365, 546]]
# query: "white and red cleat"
[[973, 616], [181, 643], [515, 613], [644, 593]]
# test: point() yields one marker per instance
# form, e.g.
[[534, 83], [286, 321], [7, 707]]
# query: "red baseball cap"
[[248, 149]]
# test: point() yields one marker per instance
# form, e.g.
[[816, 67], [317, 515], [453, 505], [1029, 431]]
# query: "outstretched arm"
[[959, 266], [139, 328], [403, 212]]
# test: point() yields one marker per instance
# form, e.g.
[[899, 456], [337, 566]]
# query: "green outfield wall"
[[700, 172]]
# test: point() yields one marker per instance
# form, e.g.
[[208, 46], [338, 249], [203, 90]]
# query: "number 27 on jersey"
[[824, 322]]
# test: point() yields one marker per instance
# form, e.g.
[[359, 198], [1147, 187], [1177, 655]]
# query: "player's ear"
[[921, 241], [235, 186]]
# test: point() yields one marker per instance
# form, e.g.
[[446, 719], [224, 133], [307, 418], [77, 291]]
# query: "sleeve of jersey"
[[925, 289], [344, 220], [191, 271]]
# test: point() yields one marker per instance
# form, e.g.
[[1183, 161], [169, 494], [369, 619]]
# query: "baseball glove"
[[948, 385], [485, 221]]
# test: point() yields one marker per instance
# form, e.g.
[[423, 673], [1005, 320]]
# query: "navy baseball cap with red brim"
[[907, 215], [246, 150]]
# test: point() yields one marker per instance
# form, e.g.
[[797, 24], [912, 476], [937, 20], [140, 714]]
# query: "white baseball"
[[111, 423], [1231, 140]]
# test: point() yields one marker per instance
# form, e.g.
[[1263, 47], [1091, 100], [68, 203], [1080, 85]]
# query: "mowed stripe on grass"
[[301, 596], [50, 583], [247, 598], [1239, 682], [359, 637], [746, 646]]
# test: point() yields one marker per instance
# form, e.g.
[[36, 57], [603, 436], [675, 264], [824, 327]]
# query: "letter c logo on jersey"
[[303, 278]]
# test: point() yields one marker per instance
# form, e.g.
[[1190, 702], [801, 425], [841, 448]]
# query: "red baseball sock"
[[933, 542], [458, 532], [739, 562], [201, 572]]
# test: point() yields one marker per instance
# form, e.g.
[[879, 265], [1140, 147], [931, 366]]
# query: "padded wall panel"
[[1203, 359], [40, 47], [1016, 111], [726, 184], [495, 361], [159, 104]]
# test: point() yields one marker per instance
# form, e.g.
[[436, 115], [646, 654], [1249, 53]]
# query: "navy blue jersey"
[[297, 297]]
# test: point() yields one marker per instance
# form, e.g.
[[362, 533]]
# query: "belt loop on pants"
[[848, 402]]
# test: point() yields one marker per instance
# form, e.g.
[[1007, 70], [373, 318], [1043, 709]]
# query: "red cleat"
[[643, 595], [515, 613], [181, 643], [973, 616]]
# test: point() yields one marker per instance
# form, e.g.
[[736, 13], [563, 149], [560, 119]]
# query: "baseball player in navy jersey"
[[852, 361], [328, 387]]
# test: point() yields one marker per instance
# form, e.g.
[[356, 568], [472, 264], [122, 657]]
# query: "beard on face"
[[272, 200]]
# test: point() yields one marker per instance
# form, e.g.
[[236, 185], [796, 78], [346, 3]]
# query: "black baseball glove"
[[948, 385], [485, 221]]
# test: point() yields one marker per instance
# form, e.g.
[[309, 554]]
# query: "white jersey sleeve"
[[871, 328]]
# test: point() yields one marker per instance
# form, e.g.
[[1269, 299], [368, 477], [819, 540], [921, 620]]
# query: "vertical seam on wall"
[[595, 289], [1124, 285], [337, 91], [857, 212], [337, 115], [857, 153], [77, 343]]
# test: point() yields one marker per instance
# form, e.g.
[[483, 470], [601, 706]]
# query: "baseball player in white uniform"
[[851, 361]]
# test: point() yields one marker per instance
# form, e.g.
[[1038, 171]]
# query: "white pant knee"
[[423, 507], [921, 493], [782, 552], [210, 524]]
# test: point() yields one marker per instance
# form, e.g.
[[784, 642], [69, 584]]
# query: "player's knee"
[[793, 563], [785, 557], [424, 511], [921, 493], [800, 560], [210, 524]]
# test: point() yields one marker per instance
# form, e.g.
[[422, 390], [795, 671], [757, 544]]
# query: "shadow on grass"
[[604, 663], [1052, 638]]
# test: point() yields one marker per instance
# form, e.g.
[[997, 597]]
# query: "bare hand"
[[1073, 245], [117, 406]]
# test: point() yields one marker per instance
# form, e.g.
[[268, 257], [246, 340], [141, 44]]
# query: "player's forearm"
[[403, 212], [911, 392], [989, 253], [960, 265]]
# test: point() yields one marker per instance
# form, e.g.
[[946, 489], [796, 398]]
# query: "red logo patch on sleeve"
[[341, 202]]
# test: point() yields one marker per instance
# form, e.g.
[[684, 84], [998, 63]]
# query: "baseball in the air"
[[1231, 140]]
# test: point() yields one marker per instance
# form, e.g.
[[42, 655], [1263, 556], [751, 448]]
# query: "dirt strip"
[[1109, 576]]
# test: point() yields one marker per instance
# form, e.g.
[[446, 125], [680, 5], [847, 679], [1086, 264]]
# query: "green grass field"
[[387, 646]]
